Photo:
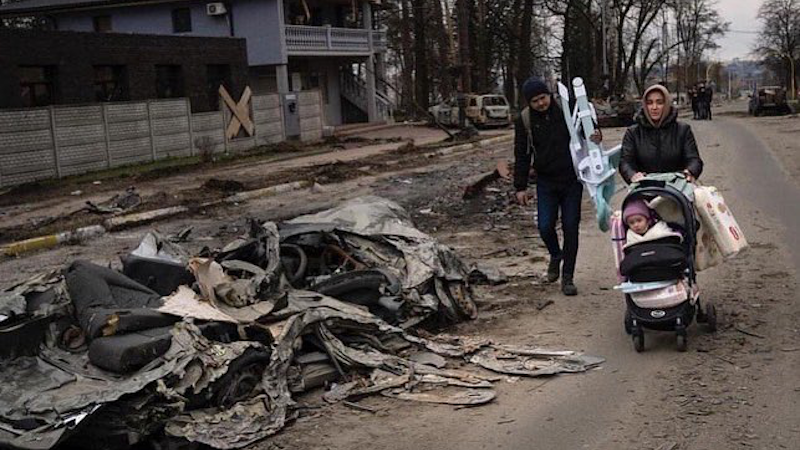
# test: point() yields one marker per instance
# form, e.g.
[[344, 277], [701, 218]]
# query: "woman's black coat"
[[668, 148]]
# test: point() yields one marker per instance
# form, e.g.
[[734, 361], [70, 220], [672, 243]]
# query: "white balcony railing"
[[302, 39]]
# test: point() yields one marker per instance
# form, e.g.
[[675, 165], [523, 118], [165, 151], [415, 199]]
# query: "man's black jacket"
[[669, 148], [550, 151]]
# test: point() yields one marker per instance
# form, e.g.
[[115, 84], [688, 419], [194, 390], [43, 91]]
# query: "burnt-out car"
[[768, 99]]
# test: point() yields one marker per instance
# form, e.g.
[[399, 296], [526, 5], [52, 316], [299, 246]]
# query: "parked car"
[[482, 111], [446, 112], [768, 98], [489, 110]]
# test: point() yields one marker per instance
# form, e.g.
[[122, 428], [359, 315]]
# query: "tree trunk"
[[420, 56], [445, 58], [462, 12], [407, 59], [525, 57], [481, 53]]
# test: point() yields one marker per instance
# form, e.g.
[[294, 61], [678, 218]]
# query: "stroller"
[[660, 287]]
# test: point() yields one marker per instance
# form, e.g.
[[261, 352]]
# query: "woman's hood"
[[668, 109]]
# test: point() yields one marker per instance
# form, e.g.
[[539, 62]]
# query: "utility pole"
[[730, 82]]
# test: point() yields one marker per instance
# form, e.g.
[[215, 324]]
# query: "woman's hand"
[[689, 177], [638, 177], [522, 198], [597, 136]]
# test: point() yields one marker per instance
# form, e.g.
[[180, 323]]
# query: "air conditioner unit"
[[215, 9]]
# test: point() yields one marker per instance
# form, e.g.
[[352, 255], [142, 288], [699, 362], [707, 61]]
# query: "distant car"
[[489, 110], [446, 112], [768, 99], [482, 111]]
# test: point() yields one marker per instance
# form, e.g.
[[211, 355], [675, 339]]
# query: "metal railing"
[[354, 89], [307, 39]]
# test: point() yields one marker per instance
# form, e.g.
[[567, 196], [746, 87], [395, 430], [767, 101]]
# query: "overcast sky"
[[742, 16]]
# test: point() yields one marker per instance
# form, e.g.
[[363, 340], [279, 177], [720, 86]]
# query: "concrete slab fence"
[[59, 141]]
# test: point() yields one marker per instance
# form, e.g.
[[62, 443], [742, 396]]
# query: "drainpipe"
[[229, 7]]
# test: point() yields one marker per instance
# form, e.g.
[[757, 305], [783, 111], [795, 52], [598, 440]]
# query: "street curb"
[[267, 191], [131, 220], [470, 146], [52, 240]]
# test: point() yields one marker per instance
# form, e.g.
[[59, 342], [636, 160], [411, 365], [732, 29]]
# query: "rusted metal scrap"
[[476, 185]]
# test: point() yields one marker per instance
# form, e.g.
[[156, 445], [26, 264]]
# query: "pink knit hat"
[[637, 207]]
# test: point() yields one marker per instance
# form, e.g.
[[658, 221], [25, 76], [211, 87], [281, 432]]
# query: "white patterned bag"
[[717, 218]]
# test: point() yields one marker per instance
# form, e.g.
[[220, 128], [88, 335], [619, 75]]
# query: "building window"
[[110, 84], [181, 20], [102, 24], [217, 75], [169, 81], [37, 85]]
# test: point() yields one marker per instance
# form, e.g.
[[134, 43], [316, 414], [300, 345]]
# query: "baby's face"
[[637, 223]]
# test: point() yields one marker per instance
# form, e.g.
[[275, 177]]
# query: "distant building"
[[291, 44]]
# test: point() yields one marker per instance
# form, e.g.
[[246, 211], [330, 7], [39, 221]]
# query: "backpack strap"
[[525, 115]]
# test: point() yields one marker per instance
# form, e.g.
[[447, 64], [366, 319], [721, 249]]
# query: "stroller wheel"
[[682, 341], [628, 322], [711, 317], [638, 340]]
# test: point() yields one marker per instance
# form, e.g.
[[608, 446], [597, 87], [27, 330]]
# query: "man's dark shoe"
[[568, 287], [553, 270]]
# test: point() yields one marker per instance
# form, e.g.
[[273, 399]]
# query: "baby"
[[642, 224]]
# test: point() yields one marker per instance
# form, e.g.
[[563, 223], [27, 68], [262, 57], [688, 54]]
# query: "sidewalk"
[[186, 189]]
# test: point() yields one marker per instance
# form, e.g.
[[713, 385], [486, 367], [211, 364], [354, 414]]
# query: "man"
[[709, 98], [542, 140], [702, 98]]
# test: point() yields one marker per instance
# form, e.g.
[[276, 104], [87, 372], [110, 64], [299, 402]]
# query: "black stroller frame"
[[677, 318]]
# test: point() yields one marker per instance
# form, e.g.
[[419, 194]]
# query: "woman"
[[658, 142]]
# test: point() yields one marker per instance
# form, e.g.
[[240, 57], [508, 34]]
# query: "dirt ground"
[[43, 208], [737, 388]]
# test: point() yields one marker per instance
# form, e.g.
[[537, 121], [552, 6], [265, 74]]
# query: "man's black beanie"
[[532, 87]]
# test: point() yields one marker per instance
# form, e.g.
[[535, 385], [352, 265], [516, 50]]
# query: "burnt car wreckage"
[[211, 349]]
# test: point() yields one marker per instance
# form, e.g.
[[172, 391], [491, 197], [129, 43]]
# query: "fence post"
[[54, 135], [191, 127], [255, 124], [107, 133], [225, 128], [152, 132]]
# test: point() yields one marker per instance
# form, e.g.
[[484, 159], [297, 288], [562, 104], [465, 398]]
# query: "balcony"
[[308, 40]]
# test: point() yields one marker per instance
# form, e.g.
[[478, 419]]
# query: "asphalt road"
[[734, 389]]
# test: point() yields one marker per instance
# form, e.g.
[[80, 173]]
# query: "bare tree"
[[631, 21], [444, 49], [463, 22], [525, 62], [779, 40], [407, 57], [422, 83], [698, 25]]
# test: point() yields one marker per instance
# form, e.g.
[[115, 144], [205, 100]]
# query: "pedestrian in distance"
[[707, 101], [702, 101], [693, 98], [541, 141], [658, 142]]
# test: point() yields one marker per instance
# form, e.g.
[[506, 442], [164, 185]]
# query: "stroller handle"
[[652, 183]]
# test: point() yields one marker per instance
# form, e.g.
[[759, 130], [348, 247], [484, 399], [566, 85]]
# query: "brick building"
[[40, 68]]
